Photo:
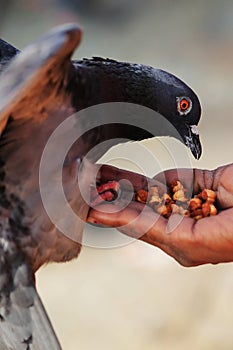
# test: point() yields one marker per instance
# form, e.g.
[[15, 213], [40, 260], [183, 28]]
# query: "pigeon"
[[41, 88]]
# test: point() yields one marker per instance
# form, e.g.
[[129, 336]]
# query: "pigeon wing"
[[27, 85]]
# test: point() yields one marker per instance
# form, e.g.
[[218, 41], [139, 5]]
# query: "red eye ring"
[[184, 105]]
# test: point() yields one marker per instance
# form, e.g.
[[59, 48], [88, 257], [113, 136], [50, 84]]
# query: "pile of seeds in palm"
[[177, 202]]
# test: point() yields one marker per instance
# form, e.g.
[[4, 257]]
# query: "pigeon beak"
[[192, 141]]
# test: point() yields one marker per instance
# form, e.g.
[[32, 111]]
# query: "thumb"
[[113, 215], [135, 220]]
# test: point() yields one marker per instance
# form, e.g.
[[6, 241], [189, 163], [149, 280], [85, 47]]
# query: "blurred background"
[[133, 296]]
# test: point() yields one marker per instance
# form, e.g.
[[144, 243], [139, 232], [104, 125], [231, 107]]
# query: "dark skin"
[[190, 242]]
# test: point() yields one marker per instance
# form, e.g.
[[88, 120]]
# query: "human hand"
[[190, 242]]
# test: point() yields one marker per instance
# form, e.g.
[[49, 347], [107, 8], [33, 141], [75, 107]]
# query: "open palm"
[[190, 242]]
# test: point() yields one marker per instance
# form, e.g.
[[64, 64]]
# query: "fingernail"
[[92, 220]]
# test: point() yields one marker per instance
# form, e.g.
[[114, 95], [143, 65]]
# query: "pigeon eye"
[[184, 105]]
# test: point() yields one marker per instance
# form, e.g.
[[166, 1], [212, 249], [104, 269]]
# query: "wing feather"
[[24, 323], [36, 74]]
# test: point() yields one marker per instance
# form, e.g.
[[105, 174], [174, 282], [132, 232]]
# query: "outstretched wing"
[[36, 75], [29, 85]]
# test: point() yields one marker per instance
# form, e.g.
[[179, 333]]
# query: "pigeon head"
[[177, 107], [180, 105]]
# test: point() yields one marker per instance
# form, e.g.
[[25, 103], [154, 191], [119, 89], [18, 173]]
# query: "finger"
[[134, 220], [128, 179], [168, 176], [114, 215], [223, 185], [103, 217], [194, 180]]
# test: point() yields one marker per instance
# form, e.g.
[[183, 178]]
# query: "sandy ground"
[[135, 297]]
